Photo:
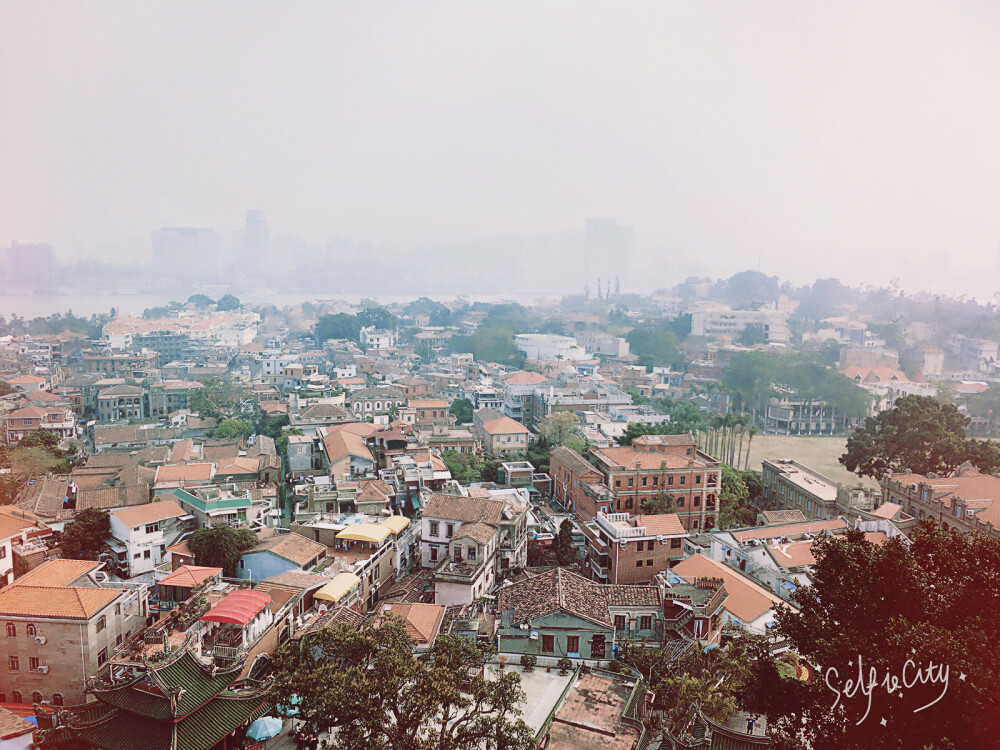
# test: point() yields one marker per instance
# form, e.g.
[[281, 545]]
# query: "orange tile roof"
[[341, 443], [970, 486], [423, 621], [185, 472], [631, 459], [44, 592], [746, 600], [57, 573], [887, 510], [664, 523], [189, 576], [525, 378], [181, 549], [137, 515], [504, 426], [878, 538], [793, 554]]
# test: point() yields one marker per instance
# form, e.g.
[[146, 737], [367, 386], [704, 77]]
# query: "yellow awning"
[[365, 532], [395, 524], [336, 589]]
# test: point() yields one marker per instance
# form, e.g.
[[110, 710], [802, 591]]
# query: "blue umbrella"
[[264, 728], [292, 708]]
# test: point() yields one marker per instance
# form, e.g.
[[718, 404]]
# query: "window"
[[458, 551], [32, 663], [670, 481], [145, 555], [656, 481], [628, 502], [680, 502], [434, 554], [13, 664], [3, 552], [118, 640], [102, 657], [697, 501], [649, 563], [644, 479], [11, 630], [638, 563], [57, 699], [435, 528], [618, 483], [675, 544], [619, 622], [15, 697], [118, 609], [470, 552], [630, 481], [683, 479], [152, 528], [548, 644], [646, 622], [697, 478], [102, 622], [450, 530], [31, 630], [36, 697], [651, 545]]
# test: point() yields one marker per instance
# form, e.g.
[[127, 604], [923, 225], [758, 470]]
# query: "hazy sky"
[[852, 138]]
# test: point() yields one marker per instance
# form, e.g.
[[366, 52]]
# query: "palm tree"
[[751, 432], [741, 422]]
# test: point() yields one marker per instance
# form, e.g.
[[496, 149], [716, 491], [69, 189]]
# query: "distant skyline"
[[848, 139]]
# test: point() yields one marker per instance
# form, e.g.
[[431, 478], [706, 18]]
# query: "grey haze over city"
[[845, 139]]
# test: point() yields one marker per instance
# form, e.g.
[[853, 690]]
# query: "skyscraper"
[[252, 243]]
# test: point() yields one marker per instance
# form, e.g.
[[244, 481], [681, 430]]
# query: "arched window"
[[32, 632], [36, 697], [11, 632], [15, 697], [57, 699]]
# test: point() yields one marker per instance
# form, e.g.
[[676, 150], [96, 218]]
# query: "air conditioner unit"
[[40, 640], [43, 670]]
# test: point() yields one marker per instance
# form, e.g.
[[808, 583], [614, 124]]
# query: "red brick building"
[[619, 479], [632, 549]]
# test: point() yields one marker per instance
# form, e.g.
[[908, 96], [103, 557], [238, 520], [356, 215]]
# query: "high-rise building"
[[607, 251], [187, 252], [251, 244], [27, 267]]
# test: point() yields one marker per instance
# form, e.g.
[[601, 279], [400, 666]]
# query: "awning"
[[336, 589], [396, 524], [238, 608], [365, 532]]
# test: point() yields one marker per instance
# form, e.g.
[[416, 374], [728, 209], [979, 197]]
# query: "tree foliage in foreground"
[[933, 600], [921, 435], [83, 538], [375, 694]]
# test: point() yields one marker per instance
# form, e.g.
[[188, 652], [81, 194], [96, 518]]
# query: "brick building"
[[622, 548], [966, 502]]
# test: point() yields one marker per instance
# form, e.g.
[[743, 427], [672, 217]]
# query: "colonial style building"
[[632, 549], [968, 501]]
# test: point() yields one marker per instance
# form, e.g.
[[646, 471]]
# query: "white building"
[[712, 319], [142, 534], [550, 347], [377, 338]]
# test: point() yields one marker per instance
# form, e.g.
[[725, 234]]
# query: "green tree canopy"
[[83, 538], [378, 317], [233, 428], [369, 687], [6, 388], [662, 502], [228, 302], [559, 426], [200, 300], [489, 344], [656, 346], [39, 439], [938, 603], [461, 409], [918, 434], [339, 326], [734, 499], [221, 547], [565, 553]]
